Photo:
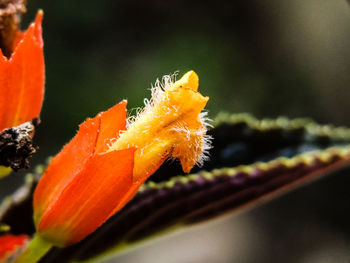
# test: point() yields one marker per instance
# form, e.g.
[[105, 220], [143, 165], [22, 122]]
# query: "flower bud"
[[102, 167]]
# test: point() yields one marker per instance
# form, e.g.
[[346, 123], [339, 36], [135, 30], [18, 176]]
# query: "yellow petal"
[[170, 124]]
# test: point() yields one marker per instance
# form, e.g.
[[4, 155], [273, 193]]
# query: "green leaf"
[[4, 171]]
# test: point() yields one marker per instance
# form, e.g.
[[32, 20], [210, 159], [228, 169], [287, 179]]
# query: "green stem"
[[36, 249]]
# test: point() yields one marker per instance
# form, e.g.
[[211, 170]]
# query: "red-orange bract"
[[22, 77], [9, 243], [83, 183]]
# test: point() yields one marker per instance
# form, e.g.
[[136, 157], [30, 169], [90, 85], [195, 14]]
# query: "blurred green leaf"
[[251, 161]]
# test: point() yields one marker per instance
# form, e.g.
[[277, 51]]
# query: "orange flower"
[[22, 77], [9, 244], [103, 166]]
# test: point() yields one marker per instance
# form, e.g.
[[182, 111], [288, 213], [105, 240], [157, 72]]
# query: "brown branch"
[[16, 145], [10, 12]]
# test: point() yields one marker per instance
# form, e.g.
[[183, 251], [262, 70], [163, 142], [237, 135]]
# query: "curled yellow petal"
[[171, 124]]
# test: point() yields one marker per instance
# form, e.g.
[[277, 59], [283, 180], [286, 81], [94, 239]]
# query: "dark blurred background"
[[268, 58]]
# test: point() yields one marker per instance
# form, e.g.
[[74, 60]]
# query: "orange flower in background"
[[22, 77], [9, 244], [103, 166]]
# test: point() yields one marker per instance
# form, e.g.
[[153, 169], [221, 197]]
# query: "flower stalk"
[[36, 249]]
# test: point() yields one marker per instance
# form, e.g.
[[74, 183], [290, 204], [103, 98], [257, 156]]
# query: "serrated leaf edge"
[[311, 127], [304, 158]]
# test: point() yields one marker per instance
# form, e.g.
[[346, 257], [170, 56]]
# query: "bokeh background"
[[269, 58]]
